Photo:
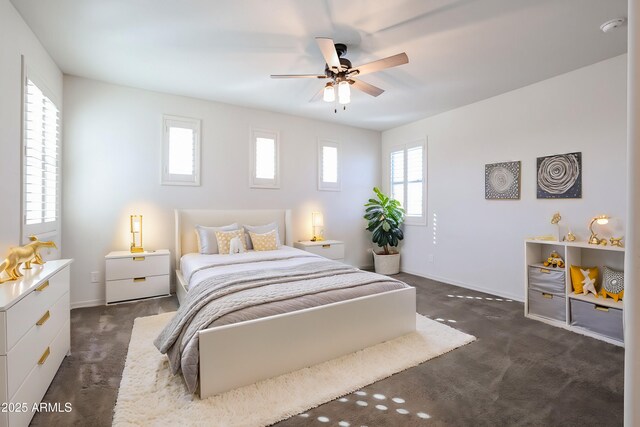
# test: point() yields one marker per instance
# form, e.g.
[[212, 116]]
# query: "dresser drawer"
[[26, 312], [331, 251], [127, 289], [26, 353], [137, 266], [38, 380]]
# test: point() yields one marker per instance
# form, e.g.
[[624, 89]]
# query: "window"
[[41, 162], [408, 180], [328, 165], [265, 172], [181, 151]]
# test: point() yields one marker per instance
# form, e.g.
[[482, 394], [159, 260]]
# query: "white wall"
[[479, 242], [17, 39], [112, 169]]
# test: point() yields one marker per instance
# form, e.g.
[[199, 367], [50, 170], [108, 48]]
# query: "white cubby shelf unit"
[[584, 255]]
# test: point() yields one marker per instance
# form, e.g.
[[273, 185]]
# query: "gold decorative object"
[[617, 241], [554, 260], [27, 254], [136, 234], [594, 239], [571, 237], [317, 221], [555, 219]]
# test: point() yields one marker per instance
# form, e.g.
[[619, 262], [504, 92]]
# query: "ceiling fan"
[[341, 73]]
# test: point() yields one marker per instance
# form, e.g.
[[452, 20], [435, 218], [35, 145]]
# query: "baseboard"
[[90, 303], [466, 285]]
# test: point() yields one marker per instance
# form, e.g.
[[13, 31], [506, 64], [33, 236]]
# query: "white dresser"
[[34, 337], [332, 249], [132, 276]]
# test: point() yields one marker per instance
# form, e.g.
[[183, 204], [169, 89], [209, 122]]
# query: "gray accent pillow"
[[612, 280], [261, 229], [207, 242]]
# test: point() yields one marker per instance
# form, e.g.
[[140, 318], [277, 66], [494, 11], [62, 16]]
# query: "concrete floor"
[[519, 371]]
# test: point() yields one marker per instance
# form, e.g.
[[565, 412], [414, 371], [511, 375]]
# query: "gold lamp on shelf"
[[317, 221], [136, 234], [601, 220]]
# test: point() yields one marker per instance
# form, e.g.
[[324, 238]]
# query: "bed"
[[232, 355]]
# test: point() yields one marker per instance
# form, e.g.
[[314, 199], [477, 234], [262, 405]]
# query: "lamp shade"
[[329, 94], [602, 220], [344, 92], [317, 219]]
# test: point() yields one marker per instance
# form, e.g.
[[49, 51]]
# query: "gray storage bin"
[[605, 321], [547, 305], [549, 280]]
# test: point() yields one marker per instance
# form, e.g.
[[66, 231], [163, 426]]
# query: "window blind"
[[329, 164], [408, 180], [41, 158]]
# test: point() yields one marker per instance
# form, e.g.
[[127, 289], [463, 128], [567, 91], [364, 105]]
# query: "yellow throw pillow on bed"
[[224, 239], [579, 279], [264, 242]]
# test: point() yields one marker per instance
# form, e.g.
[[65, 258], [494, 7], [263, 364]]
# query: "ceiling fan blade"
[[367, 88], [381, 64], [298, 76], [328, 50], [317, 96]]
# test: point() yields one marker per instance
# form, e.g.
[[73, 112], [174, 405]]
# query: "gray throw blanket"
[[217, 296]]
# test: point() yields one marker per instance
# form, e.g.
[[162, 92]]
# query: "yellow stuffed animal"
[[26, 255]]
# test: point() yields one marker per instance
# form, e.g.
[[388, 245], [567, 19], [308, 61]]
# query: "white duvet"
[[197, 267]]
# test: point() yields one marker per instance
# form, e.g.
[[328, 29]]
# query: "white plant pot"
[[386, 264]]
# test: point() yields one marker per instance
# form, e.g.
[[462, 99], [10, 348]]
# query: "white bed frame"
[[240, 354]]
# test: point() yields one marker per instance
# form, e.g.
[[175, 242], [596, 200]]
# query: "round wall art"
[[560, 176], [502, 181]]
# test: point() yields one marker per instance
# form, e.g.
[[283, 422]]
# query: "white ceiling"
[[460, 51]]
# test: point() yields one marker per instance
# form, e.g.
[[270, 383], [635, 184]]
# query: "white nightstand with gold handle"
[[132, 276], [332, 249]]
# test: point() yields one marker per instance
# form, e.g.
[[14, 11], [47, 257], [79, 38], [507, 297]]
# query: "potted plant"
[[385, 216]]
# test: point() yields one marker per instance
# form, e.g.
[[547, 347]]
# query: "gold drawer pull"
[[326, 246], [42, 287], [44, 356], [138, 258], [549, 296], [544, 270], [139, 279], [44, 319], [601, 308]]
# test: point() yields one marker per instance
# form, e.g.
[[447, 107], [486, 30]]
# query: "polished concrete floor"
[[518, 373]]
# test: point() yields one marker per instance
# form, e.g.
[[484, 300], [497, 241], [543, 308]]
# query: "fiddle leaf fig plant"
[[385, 215]]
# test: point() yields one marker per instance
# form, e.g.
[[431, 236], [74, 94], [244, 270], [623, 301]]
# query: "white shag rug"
[[150, 396]]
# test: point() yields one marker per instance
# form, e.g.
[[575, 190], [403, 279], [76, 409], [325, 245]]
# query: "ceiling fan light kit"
[[341, 72], [329, 94]]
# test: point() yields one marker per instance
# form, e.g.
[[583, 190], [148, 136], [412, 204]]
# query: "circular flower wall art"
[[502, 181], [560, 176]]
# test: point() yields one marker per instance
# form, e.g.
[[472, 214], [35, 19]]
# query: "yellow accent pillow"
[[578, 277], [224, 239], [264, 242]]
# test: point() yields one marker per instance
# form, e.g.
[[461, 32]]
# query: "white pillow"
[[207, 242], [262, 229]]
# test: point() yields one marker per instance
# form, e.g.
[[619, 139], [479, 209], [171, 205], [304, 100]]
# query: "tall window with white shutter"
[[180, 151], [41, 162], [408, 180], [328, 165], [265, 154]]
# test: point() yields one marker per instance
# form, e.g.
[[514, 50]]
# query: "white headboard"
[[187, 219]]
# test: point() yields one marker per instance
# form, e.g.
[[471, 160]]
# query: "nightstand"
[[332, 249], [131, 276]]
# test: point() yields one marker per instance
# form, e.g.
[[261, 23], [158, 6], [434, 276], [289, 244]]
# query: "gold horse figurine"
[[27, 254]]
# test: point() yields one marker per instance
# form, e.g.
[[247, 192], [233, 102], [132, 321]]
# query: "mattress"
[[225, 289]]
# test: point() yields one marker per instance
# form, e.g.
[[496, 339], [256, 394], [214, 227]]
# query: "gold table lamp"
[[136, 234], [602, 220], [317, 221]]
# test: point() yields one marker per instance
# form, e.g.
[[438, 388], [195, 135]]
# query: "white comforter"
[[193, 265]]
